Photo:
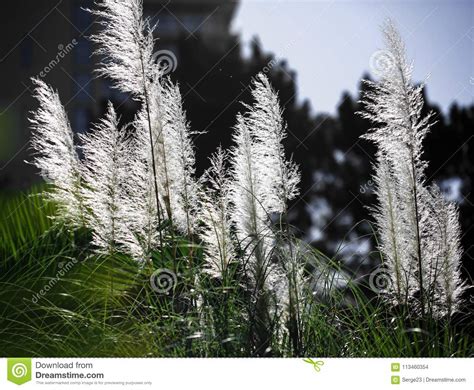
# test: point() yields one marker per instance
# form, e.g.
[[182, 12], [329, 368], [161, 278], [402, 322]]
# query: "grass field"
[[58, 298]]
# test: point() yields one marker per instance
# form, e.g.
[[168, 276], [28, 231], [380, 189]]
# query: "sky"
[[329, 43]]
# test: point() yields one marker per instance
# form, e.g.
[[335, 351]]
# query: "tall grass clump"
[[419, 230], [126, 252], [263, 182], [137, 193]]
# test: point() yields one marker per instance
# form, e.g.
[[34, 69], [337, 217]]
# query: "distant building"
[[48, 39], [210, 19]]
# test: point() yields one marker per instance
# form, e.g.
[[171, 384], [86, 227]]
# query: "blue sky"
[[329, 43]]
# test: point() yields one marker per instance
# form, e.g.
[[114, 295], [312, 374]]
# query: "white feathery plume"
[[174, 153], [445, 251], [264, 180], [280, 177], [179, 160], [248, 191], [391, 226], [216, 211], [262, 183], [107, 164], [394, 105], [126, 43], [149, 124], [280, 184], [140, 210], [407, 218], [55, 154]]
